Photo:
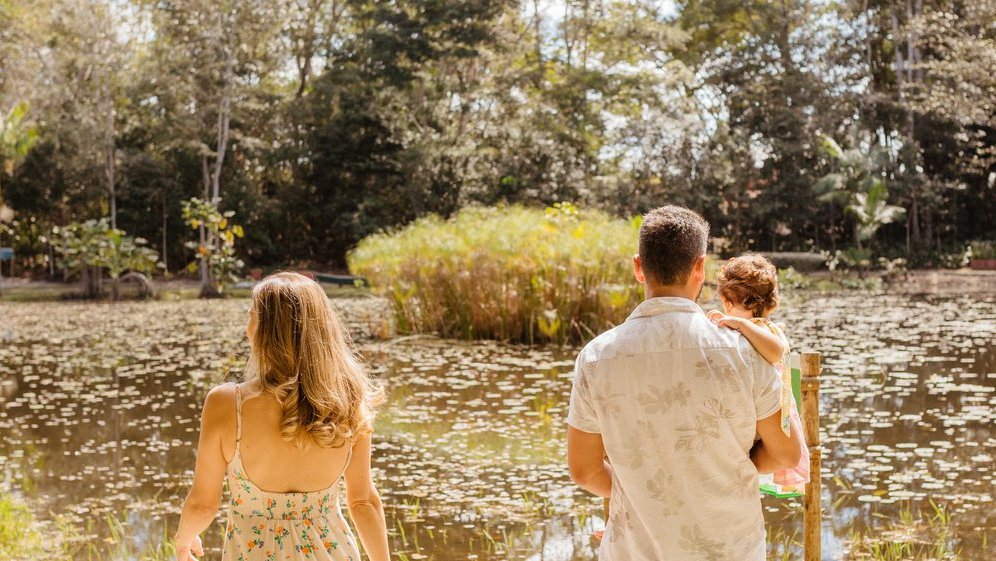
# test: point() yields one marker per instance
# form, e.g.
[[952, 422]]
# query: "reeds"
[[913, 537], [19, 535], [509, 273]]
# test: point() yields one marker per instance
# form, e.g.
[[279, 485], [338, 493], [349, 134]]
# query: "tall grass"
[[19, 536], [913, 537], [510, 273]]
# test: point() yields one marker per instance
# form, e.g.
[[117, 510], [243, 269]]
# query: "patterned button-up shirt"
[[677, 400]]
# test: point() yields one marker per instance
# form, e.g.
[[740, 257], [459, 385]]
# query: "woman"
[[284, 437]]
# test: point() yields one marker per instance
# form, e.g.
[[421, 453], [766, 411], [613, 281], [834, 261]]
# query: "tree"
[[91, 246], [218, 255], [859, 186], [16, 138], [322, 121]]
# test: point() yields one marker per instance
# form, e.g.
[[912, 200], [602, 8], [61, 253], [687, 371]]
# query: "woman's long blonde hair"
[[302, 354]]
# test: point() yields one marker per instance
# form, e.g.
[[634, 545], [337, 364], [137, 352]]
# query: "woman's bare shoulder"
[[220, 400], [222, 391]]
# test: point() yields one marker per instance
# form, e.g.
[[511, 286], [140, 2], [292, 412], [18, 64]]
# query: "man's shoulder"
[[658, 334], [601, 346]]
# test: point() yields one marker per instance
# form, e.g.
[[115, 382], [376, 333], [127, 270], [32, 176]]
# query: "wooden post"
[[812, 500]]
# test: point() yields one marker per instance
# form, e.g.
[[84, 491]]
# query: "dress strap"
[[349, 456], [238, 414]]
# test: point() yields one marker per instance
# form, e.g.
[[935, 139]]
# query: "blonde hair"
[[750, 281], [303, 355]]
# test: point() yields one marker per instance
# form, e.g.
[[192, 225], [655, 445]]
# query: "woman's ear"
[[638, 269]]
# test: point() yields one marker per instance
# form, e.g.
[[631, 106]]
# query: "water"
[[101, 402]]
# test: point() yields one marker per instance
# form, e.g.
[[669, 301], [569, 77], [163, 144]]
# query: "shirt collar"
[[663, 304]]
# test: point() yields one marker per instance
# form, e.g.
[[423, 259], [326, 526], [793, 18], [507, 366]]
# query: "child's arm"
[[771, 346]]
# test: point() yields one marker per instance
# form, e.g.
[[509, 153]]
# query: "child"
[[748, 290]]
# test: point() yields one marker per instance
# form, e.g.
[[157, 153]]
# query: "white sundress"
[[267, 526]]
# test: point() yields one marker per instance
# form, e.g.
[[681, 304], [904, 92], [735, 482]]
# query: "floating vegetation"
[[99, 406]]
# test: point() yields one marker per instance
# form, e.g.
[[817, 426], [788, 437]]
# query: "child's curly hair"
[[750, 282]]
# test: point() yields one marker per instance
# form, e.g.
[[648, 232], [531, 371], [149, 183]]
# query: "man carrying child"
[[673, 417]]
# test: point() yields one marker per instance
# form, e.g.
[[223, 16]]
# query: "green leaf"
[[831, 147], [829, 183]]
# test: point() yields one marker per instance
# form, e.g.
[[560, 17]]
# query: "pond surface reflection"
[[101, 402]]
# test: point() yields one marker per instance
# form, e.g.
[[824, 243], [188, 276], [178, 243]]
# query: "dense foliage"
[[513, 273], [320, 122]]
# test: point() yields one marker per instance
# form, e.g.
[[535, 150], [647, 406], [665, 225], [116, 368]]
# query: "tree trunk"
[[915, 220], [224, 119], [147, 290], [537, 23], [209, 286], [109, 164], [164, 257], [91, 282], [204, 266], [833, 226]]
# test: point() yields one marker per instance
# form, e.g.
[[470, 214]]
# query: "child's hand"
[[723, 320]]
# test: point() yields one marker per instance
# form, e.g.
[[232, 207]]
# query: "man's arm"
[[586, 460], [776, 451]]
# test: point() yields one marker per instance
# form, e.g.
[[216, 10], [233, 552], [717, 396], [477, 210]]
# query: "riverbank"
[[924, 281], [23, 290], [948, 281]]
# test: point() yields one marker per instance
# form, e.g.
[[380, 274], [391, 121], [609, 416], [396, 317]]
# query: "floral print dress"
[[267, 526]]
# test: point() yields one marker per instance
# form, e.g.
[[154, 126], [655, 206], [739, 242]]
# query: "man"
[[674, 403]]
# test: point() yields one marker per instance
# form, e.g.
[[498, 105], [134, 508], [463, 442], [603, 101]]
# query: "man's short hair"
[[672, 238]]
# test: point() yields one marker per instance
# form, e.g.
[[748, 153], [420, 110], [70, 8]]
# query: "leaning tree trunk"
[[146, 289]]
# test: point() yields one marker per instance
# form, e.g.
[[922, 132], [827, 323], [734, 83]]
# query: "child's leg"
[[798, 475]]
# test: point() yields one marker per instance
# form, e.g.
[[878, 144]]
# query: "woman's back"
[[283, 439], [284, 498], [275, 464]]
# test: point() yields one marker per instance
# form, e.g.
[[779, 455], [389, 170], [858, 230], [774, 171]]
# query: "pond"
[[101, 402]]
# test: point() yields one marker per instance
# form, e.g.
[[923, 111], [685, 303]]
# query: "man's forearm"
[[763, 461], [598, 482]]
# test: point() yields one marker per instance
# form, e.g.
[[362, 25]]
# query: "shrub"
[[215, 249], [511, 273], [93, 245], [790, 279], [982, 249], [930, 256]]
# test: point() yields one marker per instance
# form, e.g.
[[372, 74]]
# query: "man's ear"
[[699, 269], [638, 269]]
